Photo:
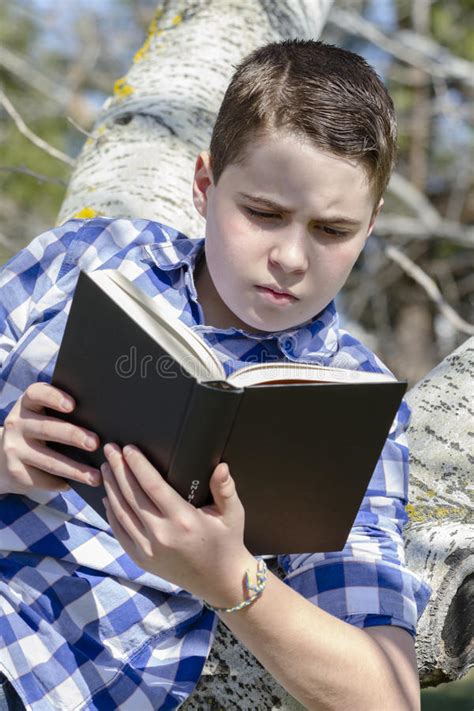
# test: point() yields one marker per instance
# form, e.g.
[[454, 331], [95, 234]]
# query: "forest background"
[[411, 294]]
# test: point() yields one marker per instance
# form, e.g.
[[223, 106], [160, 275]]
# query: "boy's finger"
[[123, 512], [58, 465], [50, 429], [33, 478], [39, 395], [138, 499], [158, 490]]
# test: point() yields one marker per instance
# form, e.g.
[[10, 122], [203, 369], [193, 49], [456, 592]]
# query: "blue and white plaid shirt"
[[81, 625]]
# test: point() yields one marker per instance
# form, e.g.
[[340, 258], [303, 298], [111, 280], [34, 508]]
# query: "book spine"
[[205, 431]]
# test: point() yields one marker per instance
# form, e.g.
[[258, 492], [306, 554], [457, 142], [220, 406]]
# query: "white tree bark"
[[148, 134], [440, 534], [140, 163]]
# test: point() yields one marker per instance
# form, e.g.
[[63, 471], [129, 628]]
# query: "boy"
[[101, 618]]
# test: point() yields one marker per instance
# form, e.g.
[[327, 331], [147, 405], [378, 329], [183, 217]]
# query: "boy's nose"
[[290, 255]]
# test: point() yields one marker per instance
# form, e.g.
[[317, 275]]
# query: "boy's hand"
[[26, 462], [199, 549]]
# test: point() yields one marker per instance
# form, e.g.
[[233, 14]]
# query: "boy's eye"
[[271, 215], [264, 215], [331, 231]]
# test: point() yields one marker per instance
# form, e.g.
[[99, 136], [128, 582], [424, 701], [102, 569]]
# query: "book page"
[[301, 372], [175, 337]]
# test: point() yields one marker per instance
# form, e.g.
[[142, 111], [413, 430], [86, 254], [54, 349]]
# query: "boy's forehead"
[[283, 146], [283, 171]]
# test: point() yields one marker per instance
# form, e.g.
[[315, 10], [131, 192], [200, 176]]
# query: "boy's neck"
[[216, 312]]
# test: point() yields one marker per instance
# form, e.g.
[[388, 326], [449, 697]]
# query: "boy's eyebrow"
[[275, 206]]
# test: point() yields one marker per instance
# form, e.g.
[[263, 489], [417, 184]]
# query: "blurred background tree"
[[58, 64], [423, 50], [411, 293]]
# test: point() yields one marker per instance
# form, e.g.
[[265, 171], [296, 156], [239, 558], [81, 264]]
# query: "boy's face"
[[305, 244]]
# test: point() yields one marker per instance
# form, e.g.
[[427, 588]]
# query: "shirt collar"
[[315, 341], [175, 254]]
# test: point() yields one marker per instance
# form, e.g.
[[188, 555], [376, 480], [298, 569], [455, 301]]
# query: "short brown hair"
[[321, 92]]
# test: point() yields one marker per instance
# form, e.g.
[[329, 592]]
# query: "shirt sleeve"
[[36, 288], [35, 284], [31, 271], [24, 280], [368, 582]]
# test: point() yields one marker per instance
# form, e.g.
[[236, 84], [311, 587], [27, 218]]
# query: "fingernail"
[[105, 501], [109, 449], [66, 404], [89, 442]]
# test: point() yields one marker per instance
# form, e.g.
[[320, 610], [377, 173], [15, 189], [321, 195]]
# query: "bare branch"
[[79, 128], [443, 64], [430, 287], [414, 199], [427, 223], [23, 128], [414, 227], [460, 188], [38, 176], [27, 72], [408, 47], [85, 63]]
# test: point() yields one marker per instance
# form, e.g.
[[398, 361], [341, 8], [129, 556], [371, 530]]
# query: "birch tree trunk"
[[147, 136], [139, 163], [440, 535]]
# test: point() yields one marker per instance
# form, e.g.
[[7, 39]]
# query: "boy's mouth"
[[277, 290], [275, 296]]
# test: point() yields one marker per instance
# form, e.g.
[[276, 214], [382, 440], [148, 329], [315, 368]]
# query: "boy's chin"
[[270, 325]]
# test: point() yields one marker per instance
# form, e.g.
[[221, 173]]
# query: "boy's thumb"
[[222, 486]]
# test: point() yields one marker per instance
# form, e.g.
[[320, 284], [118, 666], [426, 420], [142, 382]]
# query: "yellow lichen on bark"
[[153, 31], [98, 132], [87, 213], [414, 514], [423, 513], [122, 89]]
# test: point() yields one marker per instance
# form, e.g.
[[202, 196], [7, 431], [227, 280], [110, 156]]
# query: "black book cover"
[[301, 454]]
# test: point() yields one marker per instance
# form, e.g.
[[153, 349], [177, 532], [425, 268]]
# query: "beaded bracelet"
[[258, 588]]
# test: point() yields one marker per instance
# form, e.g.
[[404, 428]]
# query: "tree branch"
[[428, 221], [414, 227], [28, 74], [23, 128], [38, 176], [409, 47], [414, 199], [79, 128], [430, 287]]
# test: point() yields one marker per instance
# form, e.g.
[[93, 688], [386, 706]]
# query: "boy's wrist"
[[229, 589]]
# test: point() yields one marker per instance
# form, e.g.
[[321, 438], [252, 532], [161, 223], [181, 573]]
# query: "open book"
[[301, 440], [192, 352]]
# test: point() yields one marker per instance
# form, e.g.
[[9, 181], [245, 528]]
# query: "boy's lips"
[[276, 297], [276, 290]]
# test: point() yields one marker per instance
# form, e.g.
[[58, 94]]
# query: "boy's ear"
[[201, 182], [374, 216]]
